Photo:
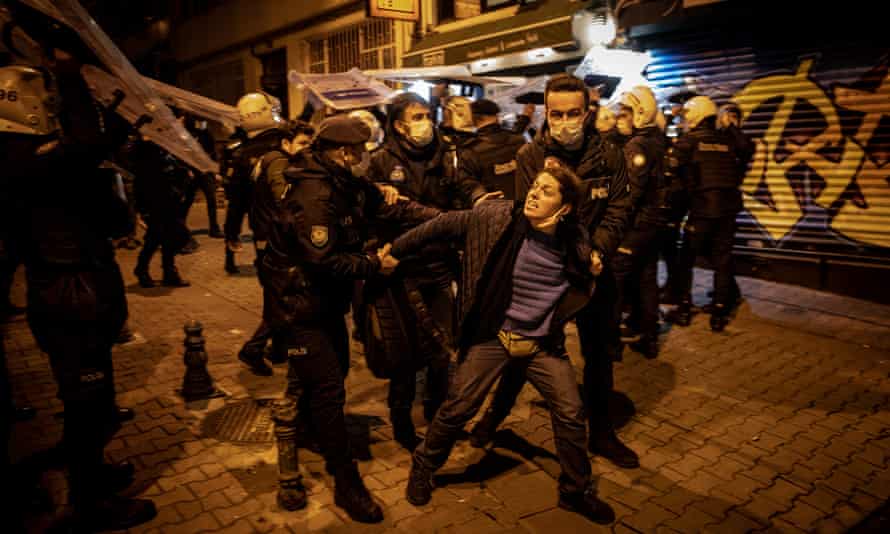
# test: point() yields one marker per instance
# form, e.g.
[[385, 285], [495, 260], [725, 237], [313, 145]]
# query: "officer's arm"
[[638, 172], [469, 171], [450, 226], [526, 171], [680, 158], [608, 234], [316, 231], [275, 177]]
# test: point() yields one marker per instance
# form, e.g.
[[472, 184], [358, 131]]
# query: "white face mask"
[[360, 169], [569, 133], [420, 133]]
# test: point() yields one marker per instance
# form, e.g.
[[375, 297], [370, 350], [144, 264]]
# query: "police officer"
[[269, 189], [421, 165], [314, 251], [490, 157], [637, 256], [260, 133], [52, 130], [570, 138], [710, 161], [160, 185], [205, 181]]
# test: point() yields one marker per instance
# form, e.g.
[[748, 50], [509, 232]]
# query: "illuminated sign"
[[394, 9]]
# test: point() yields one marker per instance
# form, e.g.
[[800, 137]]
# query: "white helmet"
[[29, 101], [697, 109], [605, 119], [458, 114], [641, 100], [373, 124], [259, 111]]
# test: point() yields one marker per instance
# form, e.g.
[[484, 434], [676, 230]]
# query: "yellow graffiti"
[[769, 169]]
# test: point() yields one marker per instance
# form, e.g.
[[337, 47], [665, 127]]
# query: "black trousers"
[[403, 387], [553, 377], [75, 318], [318, 361], [157, 236], [600, 349], [636, 265], [9, 263], [207, 184], [712, 238], [239, 197]]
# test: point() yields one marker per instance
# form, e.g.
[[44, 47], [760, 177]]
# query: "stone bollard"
[[197, 384]]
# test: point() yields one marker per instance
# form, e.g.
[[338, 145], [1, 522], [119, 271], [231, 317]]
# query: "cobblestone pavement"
[[778, 424]]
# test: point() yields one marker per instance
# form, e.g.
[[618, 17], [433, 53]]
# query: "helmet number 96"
[[12, 96]]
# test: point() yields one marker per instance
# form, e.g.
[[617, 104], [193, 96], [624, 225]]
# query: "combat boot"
[[143, 277], [719, 318], [647, 346], [403, 428], [231, 267], [351, 495], [420, 485], [215, 232], [587, 504], [172, 279]]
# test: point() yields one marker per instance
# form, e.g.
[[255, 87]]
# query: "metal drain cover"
[[247, 421]]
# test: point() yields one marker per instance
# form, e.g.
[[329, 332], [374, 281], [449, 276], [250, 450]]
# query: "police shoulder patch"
[[639, 159], [319, 236]]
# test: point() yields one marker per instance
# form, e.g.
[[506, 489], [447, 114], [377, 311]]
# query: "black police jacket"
[[422, 175], [268, 191], [241, 156], [644, 154], [315, 246], [490, 159], [600, 165], [709, 161]]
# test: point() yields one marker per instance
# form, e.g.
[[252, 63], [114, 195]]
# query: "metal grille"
[[370, 45], [819, 180], [248, 421]]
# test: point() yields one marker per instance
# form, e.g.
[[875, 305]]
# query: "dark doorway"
[[274, 77]]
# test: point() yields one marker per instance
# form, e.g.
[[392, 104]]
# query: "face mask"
[[569, 133], [360, 169], [420, 133]]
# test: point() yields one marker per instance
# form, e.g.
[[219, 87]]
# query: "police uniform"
[[427, 175], [268, 192], [491, 157], [76, 300], [710, 161], [242, 157], [315, 251], [636, 259]]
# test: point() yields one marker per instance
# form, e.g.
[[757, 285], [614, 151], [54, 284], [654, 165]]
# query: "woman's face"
[[544, 199]]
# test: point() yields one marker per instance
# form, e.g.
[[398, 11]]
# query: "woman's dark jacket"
[[491, 235]]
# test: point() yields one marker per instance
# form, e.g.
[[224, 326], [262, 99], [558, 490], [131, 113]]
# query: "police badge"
[[397, 174], [319, 236]]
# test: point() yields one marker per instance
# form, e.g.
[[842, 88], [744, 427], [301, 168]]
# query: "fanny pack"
[[518, 345]]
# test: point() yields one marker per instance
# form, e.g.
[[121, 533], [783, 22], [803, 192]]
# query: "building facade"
[[232, 47]]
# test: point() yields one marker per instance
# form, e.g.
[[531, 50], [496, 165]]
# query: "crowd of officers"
[[327, 202], [329, 205]]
